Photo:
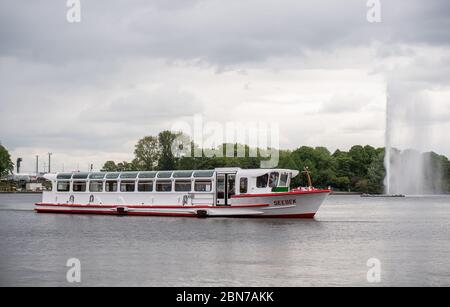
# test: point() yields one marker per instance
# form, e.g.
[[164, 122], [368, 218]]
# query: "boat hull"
[[288, 204], [273, 205]]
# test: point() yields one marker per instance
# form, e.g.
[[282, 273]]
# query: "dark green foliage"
[[6, 165], [109, 166], [147, 153], [166, 159], [361, 169]]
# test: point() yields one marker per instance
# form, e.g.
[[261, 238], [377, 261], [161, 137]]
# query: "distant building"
[[34, 187], [23, 182]]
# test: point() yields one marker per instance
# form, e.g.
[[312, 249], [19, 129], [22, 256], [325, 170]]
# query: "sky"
[[87, 91]]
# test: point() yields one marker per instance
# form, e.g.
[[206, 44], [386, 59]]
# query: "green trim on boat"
[[280, 189]]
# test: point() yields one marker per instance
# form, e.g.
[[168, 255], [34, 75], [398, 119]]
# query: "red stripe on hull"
[[285, 216], [114, 212], [147, 207]]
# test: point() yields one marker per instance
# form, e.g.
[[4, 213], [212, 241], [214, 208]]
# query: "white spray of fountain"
[[387, 155], [409, 171]]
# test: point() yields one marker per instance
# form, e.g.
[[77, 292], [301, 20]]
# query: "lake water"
[[410, 236]]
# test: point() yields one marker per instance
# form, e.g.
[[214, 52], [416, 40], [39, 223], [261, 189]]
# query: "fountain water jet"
[[409, 171], [387, 155]]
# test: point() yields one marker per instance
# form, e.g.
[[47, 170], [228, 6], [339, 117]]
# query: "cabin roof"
[[165, 174]]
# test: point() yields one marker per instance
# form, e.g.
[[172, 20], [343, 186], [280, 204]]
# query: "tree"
[[109, 166], [436, 172], [167, 160], [342, 183], [286, 160], [376, 173], [6, 165], [319, 162], [359, 161], [147, 153], [362, 186], [343, 164], [126, 166]]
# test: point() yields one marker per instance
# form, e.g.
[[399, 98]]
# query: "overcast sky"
[[88, 91]]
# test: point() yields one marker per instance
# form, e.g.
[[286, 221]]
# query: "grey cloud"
[[71, 125], [54, 75], [362, 127], [345, 104], [217, 32], [143, 107], [426, 66], [412, 106]]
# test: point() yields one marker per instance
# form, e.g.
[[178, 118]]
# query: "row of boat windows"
[[132, 186], [134, 175], [273, 179]]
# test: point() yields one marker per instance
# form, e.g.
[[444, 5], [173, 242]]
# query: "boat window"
[[145, 186], [221, 186], [111, 186], [231, 185], [261, 181], [182, 186], [147, 175], [127, 186], [64, 176], [182, 174], [112, 175], [203, 174], [63, 186], [273, 179], [79, 186], [164, 186], [80, 175], [164, 174], [97, 175], [202, 186], [243, 186], [128, 175], [283, 180], [96, 186]]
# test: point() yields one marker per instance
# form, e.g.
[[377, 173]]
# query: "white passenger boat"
[[226, 192]]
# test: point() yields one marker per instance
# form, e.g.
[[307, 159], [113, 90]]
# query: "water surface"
[[410, 236]]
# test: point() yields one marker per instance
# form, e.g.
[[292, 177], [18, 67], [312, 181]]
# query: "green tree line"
[[361, 169]]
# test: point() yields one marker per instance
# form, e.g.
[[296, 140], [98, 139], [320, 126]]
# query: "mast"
[[308, 175], [37, 165]]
